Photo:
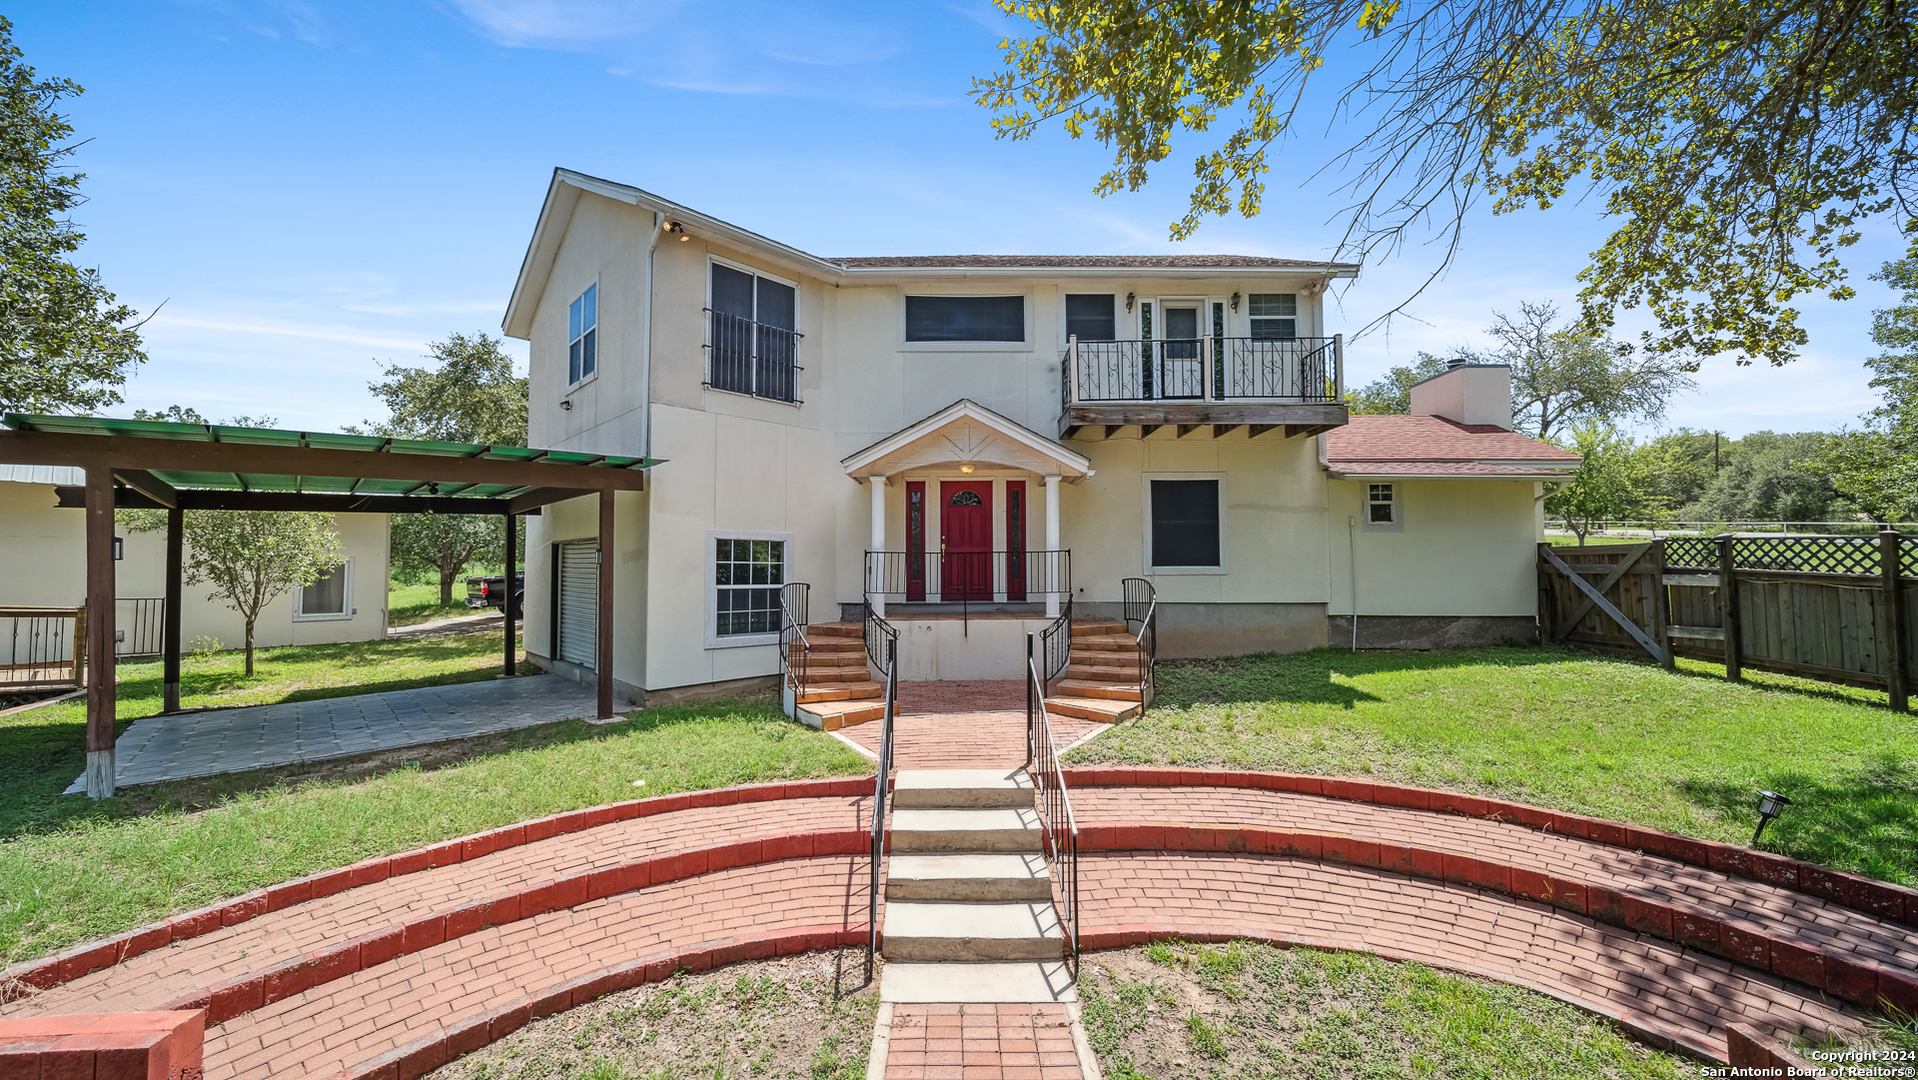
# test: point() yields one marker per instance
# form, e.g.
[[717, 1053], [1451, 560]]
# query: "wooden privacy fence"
[[1836, 608], [42, 647]]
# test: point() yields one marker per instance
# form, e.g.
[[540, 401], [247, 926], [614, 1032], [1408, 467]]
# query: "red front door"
[[965, 540]]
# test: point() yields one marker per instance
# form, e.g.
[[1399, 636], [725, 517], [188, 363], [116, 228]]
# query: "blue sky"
[[313, 188]]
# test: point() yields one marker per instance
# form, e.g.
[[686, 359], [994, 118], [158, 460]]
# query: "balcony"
[[1296, 385], [747, 357]]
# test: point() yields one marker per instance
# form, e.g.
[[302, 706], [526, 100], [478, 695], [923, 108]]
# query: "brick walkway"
[[291, 733], [981, 1042], [963, 725]]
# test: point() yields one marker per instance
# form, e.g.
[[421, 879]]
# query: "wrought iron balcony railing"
[[1304, 370], [748, 357]]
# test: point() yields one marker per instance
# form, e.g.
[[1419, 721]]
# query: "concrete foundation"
[[1188, 631], [712, 691], [1432, 631], [585, 676]]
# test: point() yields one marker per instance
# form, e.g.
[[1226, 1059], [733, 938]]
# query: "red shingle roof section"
[[1436, 446], [1236, 262]]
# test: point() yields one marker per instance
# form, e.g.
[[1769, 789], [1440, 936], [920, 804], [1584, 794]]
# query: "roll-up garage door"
[[579, 603]]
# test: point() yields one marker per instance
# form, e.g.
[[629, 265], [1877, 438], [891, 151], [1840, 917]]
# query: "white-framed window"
[[1382, 510], [752, 332], [1273, 315], [329, 596], [582, 335], [1185, 523], [744, 574], [966, 322]]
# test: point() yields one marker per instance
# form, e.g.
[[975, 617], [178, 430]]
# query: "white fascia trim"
[[1065, 272], [1435, 476], [855, 464]]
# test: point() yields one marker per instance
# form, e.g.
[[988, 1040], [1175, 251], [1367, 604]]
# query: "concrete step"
[[833, 715], [1094, 628], [978, 981], [1102, 710], [1086, 688], [961, 788], [837, 629], [968, 877], [1000, 829], [925, 930], [841, 691]]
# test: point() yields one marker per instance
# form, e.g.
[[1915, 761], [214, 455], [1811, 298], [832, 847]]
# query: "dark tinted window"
[[965, 318], [1092, 318], [1185, 523], [732, 292], [776, 304]]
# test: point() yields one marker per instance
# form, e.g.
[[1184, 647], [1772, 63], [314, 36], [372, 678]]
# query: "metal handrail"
[[1004, 574], [1138, 592], [795, 611], [880, 636], [1202, 369], [44, 646], [1059, 827], [879, 791]]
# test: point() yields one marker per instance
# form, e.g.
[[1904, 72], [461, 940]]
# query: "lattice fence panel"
[[1808, 554], [1692, 552]]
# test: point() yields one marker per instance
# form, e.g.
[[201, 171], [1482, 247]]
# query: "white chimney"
[[1468, 393]]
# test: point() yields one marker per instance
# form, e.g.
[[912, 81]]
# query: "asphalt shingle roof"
[[1436, 445]]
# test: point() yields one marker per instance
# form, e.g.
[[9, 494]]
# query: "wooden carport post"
[[170, 632], [605, 650], [100, 688], [506, 602]]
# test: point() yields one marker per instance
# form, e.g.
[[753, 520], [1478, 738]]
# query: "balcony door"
[[1179, 371], [965, 540]]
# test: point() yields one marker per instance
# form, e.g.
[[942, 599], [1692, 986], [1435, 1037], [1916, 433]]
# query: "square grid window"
[[1380, 507], [748, 574], [1274, 315], [582, 335]]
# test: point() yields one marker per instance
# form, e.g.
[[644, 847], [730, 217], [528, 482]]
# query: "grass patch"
[[72, 869], [410, 604], [1683, 751], [1246, 1009], [800, 1017]]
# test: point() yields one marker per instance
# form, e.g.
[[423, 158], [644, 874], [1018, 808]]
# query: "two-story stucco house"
[[969, 445]]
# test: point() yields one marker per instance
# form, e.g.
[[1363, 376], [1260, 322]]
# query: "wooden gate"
[[1608, 597]]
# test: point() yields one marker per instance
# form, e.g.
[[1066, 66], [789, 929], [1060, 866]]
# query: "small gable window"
[[965, 318], [1274, 315], [1382, 508], [582, 335]]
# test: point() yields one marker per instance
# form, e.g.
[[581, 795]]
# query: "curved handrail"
[[1141, 606], [795, 603]]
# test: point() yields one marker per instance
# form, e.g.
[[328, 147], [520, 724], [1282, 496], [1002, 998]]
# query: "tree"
[[65, 341], [1604, 484], [1392, 392], [1767, 476], [1564, 377], [1874, 465], [250, 557], [1738, 144], [467, 394]]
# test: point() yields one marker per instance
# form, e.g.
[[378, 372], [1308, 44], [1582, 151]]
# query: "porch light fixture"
[[567, 405], [679, 230], [1235, 301], [1128, 303], [1770, 805], [966, 467]]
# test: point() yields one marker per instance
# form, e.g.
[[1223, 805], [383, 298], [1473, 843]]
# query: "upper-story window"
[[582, 335], [753, 332], [1092, 317], [965, 318], [1274, 315]]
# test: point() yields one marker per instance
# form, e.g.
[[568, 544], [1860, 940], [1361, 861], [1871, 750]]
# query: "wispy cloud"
[[563, 22], [169, 321]]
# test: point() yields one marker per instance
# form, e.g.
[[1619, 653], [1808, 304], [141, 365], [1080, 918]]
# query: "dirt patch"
[[1242, 1010], [801, 1016]]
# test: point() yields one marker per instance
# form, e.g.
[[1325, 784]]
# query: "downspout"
[[1352, 564], [646, 346]]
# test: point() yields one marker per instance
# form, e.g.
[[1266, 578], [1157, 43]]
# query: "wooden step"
[[1103, 710], [1086, 671], [840, 691], [837, 630], [831, 646], [1107, 642], [1086, 688], [1090, 628], [833, 715]]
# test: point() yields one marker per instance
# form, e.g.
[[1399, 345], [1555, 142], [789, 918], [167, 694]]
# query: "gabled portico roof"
[[967, 431]]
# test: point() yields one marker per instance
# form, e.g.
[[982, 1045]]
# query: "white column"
[[878, 570], [1052, 545]]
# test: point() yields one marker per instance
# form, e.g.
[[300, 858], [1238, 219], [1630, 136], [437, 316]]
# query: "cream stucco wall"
[[1468, 547], [44, 548]]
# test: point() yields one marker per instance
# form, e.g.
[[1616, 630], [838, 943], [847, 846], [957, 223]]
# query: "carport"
[[180, 467]]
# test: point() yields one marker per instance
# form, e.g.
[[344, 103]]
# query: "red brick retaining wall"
[[81, 959], [121, 1046], [1876, 898]]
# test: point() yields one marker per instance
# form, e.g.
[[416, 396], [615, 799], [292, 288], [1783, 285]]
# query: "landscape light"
[[1770, 805]]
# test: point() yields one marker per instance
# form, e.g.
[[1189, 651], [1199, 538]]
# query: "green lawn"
[[1246, 1009], [409, 604], [72, 869], [1616, 739]]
